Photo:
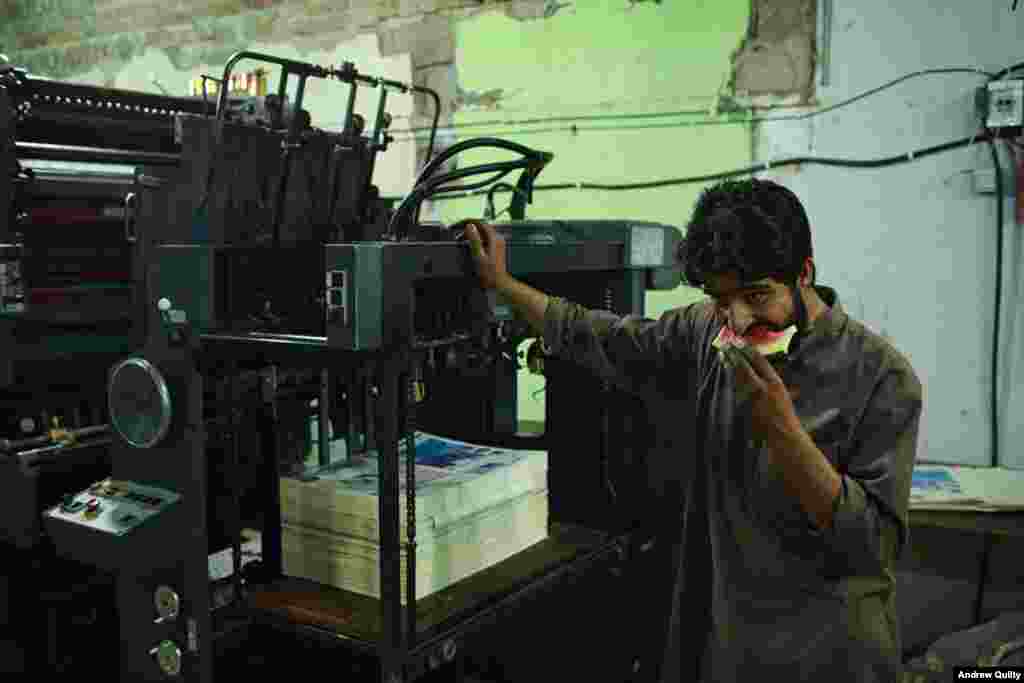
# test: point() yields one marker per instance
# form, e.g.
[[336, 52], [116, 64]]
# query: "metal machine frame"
[[394, 307]]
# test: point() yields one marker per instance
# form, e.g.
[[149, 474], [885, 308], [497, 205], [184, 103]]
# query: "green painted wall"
[[604, 60]]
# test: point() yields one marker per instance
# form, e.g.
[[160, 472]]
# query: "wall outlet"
[[1005, 104]]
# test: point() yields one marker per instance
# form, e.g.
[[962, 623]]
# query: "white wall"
[[911, 248]]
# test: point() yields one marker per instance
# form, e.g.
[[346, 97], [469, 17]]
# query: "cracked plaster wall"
[[775, 63]]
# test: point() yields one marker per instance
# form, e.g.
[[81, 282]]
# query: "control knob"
[[168, 657]]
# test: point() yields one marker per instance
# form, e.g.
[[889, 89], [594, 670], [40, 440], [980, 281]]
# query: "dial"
[[139, 402], [168, 657], [167, 603]]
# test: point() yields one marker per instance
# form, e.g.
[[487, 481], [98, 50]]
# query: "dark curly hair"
[[756, 228]]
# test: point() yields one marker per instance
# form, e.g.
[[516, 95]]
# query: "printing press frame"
[[591, 264]]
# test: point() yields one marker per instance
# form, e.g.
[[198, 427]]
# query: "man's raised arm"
[[644, 357]]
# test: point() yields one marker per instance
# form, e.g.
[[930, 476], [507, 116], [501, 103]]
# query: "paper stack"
[[475, 506], [966, 489]]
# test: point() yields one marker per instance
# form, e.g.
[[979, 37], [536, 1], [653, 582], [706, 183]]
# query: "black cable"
[[798, 117], [475, 186], [998, 307], [994, 389], [426, 189], [875, 91], [750, 170], [434, 164], [999, 279], [490, 213], [465, 145]]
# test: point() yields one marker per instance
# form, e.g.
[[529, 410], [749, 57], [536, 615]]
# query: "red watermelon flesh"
[[767, 342]]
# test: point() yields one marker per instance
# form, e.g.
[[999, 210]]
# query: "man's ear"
[[807, 275]]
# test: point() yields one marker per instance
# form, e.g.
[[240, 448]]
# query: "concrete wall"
[[571, 85], [911, 248]]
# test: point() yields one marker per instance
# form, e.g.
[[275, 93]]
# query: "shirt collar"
[[832, 320]]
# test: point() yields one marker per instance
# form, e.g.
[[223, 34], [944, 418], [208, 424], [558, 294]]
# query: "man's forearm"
[[809, 476], [530, 303]]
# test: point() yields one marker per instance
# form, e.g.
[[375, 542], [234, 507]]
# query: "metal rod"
[[354, 385], [324, 438], [282, 88], [433, 135], [350, 109], [334, 159], [40, 455], [378, 126], [385, 404], [271, 540], [236, 481], [8, 446], [288, 147], [99, 155], [289, 66], [437, 117], [408, 396]]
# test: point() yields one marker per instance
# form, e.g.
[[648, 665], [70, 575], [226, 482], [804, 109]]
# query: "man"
[[806, 468]]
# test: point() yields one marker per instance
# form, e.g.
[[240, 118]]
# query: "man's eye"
[[758, 298]]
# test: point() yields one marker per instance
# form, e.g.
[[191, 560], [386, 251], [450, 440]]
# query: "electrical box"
[[1005, 104]]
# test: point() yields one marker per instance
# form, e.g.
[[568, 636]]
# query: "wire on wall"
[[731, 121], [999, 278], [878, 163], [986, 136]]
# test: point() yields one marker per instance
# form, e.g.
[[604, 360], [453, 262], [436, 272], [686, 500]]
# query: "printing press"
[[170, 332]]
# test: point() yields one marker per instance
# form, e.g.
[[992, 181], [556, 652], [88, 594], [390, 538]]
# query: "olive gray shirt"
[[787, 598]]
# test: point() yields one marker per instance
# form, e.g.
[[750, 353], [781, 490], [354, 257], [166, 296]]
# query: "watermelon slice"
[[772, 345]]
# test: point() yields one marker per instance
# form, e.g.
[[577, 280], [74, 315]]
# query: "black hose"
[[1007, 70], [998, 307], [473, 143], [742, 172], [475, 186], [433, 133], [437, 117], [427, 188], [997, 322]]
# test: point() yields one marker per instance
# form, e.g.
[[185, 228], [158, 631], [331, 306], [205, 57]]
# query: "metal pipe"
[[236, 481], [47, 152], [41, 455], [354, 386], [7, 446], [433, 135], [287, 149], [282, 89], [378, 126], [288, 65], [350, 109], [437, 118], [324, 443]]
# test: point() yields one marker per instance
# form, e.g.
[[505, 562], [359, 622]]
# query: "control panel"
[[114, 507]]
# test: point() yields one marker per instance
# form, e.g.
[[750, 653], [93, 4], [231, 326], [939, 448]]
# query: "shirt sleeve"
[[647, 358], [869, 527]]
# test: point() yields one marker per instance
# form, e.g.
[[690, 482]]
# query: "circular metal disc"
[[168, 657], [167, 602], [139, 402]]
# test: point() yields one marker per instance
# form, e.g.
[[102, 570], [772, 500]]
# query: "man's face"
[[753, 308]]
